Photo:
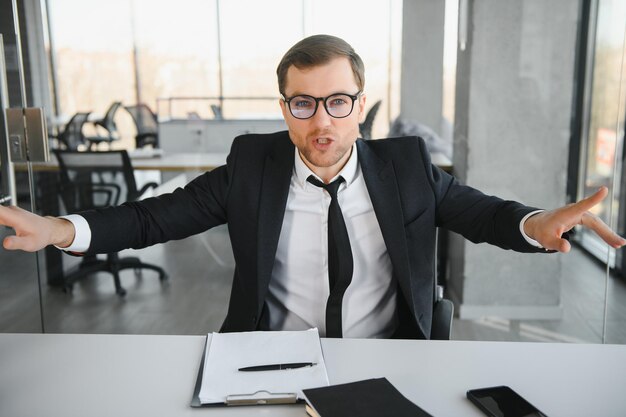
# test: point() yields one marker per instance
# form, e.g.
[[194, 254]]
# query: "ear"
[[283, 108], [362, 100]]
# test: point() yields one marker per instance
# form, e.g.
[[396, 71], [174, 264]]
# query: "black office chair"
[[91, 180], [146, 124], [72, 135], [366, 127], [107, 123], [443, 309], [442, 316]]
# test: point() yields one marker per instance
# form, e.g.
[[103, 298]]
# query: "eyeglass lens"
[[337, 105]]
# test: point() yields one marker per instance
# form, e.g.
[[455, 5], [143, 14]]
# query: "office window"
[[375, 32], [151, 51], [252, 45], [177, 52], [92, 43], [605, 119]]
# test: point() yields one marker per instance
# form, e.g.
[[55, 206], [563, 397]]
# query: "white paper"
[[227, 352]]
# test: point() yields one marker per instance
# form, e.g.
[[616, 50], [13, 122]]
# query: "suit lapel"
[[381, 182], [277, 173]]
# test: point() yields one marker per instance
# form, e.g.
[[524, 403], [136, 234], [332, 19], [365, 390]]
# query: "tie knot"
[[331, 188]]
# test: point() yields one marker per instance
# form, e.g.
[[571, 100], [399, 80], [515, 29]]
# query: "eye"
[[336, 101], [301, 102]]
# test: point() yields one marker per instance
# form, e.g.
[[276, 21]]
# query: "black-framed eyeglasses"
[[338, 105]]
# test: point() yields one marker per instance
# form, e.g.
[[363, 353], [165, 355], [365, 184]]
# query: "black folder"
[[367, 398]]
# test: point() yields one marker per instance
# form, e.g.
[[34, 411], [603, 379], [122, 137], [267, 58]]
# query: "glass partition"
[[207, 71], [198, 55], [20, 302], [608, 117], [555, 298]]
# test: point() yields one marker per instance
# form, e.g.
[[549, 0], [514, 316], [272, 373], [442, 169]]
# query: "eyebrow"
[[295, 94]]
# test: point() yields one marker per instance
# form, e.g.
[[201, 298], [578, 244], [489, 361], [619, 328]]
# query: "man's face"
[[324, 142]]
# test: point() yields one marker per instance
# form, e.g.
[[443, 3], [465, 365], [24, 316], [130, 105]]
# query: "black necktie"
[[339, 258]]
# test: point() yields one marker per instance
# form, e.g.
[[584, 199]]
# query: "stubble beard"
[[324, 159]]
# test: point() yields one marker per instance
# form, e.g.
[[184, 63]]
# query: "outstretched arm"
[[33, 232], [547, 227]]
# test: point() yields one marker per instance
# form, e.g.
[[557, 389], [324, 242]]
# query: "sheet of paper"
[[227, 352]]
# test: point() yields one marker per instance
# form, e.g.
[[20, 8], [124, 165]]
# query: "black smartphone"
[[502, 401]]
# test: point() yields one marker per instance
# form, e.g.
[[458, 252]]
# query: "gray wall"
[[513, 107], [422, 62]]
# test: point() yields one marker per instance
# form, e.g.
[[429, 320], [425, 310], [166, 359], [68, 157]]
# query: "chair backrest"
[[108, 121], [72, 134], [144, 118], [146, 124], [217, 111], [92, 180], [443, 309]]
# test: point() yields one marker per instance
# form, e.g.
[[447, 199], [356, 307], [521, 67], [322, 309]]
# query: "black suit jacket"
[[411, 197]]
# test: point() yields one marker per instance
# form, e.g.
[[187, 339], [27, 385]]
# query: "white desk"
[[211, 135], [169, 161], [106, 375]]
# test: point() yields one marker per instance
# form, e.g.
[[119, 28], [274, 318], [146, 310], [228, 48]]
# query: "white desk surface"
[[198, 161], [124, 375]]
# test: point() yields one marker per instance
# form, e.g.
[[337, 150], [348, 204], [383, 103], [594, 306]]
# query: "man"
[[327, 230]]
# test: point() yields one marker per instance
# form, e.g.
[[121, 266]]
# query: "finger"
[[9, 215], [5, 213], [21, 243], [588, 203], [11, 243], [564, 246], [601, 229], [556, 243]]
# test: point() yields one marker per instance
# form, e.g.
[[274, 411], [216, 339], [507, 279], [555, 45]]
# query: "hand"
[[33, 232], [548, 227]]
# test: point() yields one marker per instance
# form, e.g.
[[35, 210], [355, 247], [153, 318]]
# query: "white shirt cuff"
[[530, 240], [82, 234]]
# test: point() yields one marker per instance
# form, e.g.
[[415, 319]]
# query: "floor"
[[194, 300]]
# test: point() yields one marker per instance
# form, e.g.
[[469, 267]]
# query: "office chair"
[[146, 124], [443, 309], [72, 135], [366, 127], [108, 124], [91, 180], [217, 112], [443, 312]]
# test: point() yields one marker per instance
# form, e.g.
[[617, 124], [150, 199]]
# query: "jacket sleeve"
[[193, 209], [476, 216]]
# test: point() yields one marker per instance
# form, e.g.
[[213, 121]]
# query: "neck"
[[327, 173]]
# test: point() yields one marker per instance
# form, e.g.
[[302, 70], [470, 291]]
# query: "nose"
[[321, 116]]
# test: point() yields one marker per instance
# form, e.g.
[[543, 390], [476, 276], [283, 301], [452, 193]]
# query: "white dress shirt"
[[299, 286]]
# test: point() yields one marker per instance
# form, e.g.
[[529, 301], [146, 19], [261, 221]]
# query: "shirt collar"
[[348, 172]]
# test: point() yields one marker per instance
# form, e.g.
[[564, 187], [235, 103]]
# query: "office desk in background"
[[188, 161], [169, 161], [105, 375]]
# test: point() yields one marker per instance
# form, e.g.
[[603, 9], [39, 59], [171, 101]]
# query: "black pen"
[[277, 366]]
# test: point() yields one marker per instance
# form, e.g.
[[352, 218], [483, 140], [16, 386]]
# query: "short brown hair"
[[318, 50]]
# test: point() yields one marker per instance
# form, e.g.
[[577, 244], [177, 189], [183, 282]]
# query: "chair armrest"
[[144, 189], [442, 320]]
